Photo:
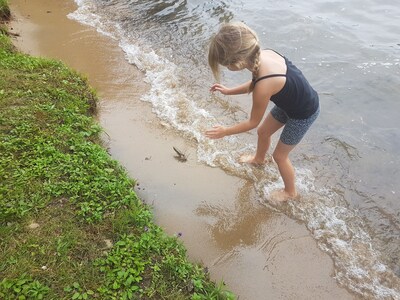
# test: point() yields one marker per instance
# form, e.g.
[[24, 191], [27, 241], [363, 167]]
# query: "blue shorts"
[[294, 129]]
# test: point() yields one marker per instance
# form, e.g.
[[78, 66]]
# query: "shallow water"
[[348, 164]]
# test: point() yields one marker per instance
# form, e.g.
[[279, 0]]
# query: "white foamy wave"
[[84, 14], [341, 233], [169, 100]]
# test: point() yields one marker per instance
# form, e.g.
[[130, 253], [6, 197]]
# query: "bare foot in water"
[[281, 196], [250, 159]]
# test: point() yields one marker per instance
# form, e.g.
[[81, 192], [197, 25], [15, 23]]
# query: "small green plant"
[[76, 292], [23, 287]]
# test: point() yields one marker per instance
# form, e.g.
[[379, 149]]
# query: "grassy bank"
[[71, 225]]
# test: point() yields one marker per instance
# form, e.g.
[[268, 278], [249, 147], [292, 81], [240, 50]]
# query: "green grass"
[[71, 225], [5, 13]]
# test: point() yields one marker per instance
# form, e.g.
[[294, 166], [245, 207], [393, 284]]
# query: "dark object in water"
[[180, 155]]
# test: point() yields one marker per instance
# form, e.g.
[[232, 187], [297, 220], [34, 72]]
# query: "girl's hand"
[[216, 132], [220, 88]]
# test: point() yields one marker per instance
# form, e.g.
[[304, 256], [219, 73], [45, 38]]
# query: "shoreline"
[[184, 195]]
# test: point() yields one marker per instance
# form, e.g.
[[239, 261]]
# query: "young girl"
[[274, 78]]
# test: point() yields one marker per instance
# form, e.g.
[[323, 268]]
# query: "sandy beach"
[[258, 254]]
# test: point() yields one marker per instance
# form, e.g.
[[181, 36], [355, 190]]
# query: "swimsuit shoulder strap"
[[255, 80]]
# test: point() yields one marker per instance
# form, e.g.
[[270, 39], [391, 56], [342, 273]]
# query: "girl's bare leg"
[[281, 157], [265, 131]]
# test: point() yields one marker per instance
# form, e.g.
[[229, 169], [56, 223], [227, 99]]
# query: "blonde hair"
[[235, 44]]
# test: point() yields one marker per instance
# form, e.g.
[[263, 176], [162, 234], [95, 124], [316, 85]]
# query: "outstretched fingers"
[[216, 132], [219, 87]]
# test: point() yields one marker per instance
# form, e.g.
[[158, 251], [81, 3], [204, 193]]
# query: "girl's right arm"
[[241, 89]]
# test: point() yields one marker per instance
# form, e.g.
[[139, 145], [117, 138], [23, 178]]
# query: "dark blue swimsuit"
[[297, 98]]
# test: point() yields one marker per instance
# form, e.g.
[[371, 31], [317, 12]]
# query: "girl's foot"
[[250, 159], [281, 195]]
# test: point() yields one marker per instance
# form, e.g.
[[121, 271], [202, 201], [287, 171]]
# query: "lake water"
[[348, 165]]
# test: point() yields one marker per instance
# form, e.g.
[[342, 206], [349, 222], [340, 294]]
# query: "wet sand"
[[258, 253]]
